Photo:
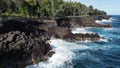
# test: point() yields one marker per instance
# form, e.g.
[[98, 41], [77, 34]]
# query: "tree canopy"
[[46, 8]]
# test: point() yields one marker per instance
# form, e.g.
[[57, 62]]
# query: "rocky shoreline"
[[25, 41], [21, 44], [85, 21], [65, 26]]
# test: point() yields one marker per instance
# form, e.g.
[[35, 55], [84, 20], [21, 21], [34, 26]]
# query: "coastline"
[[40, 32]]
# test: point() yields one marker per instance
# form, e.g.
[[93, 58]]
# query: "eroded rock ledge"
[[67, 35], [85, 21]]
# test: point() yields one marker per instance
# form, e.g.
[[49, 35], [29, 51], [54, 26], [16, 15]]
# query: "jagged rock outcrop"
[[82, 37], [65, 24], [66, 34], [22, 43]]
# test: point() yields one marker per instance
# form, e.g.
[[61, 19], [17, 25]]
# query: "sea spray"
[[103, 40], [62, 57], [71, 46], [64, 54], [81, 30], [104, 20]]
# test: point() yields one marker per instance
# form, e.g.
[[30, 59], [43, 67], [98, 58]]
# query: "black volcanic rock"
[[19, 25], [81, 37], [83, 21], [22, 43], [63, 22]]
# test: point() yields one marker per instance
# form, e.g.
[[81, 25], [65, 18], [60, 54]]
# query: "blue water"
[[103, 54], [100, 54]]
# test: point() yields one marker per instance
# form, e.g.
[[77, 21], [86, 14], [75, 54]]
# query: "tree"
[[3, 9], [46, 8], [91, 10]]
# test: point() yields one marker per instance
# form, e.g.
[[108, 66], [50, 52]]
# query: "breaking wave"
[[81, 30], [62, 56], [104, 20]]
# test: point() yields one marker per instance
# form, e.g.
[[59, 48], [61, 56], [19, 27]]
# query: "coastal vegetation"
[[45, 9]]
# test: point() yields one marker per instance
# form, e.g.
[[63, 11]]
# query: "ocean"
[[104, 53]]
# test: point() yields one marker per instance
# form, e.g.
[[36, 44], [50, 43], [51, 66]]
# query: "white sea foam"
[[80, 30], [113, 28], [62, 55], [85, 41], [71, 46], [109, 28], [104, 20], [103, 40], [113, 19]]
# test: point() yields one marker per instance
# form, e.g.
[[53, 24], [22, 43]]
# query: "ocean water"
[[104, 53]]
